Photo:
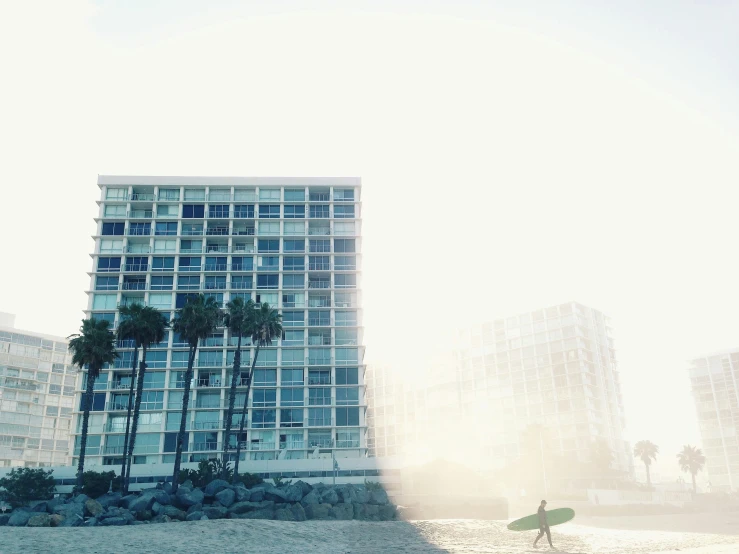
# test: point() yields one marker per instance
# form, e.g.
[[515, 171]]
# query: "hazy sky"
[[514, 155]]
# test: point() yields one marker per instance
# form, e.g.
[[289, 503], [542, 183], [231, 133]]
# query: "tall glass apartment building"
[[37, 384], [555, 367], [294, 243], [715, 383]]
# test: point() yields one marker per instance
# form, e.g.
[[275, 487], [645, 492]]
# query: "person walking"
[[543, 524]]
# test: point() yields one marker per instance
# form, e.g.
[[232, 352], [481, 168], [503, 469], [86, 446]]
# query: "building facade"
[[37, 384], [715, 384], [554, 367], [294, 243]]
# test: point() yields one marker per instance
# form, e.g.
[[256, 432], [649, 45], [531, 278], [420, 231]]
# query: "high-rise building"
[[294, 243], [37, 384], [554, 367], [715, 383]]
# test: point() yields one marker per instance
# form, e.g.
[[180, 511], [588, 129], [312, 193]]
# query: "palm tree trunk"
[[649, 479], [695, 487], [128, 419], [85, 423], [231, 402], [243, 414], [136, 413], [183, 419]]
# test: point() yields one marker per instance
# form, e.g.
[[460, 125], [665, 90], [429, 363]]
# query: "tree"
[[146, 326], [23, 484], [199, 318], [239, 319], [266, 327], [92, 347], [123, 335], [691, 460], [646, 451]]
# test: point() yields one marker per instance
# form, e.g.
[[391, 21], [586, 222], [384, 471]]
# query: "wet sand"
[[324, 537]]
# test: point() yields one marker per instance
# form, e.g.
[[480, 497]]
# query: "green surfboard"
[[554, 517]]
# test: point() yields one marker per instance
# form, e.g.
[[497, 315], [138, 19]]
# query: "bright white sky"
[[513, 156]]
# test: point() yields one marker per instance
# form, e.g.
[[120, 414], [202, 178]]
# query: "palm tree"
[[124, 337], [93, 346], [691, 460], [195, 321], [266, 326], [146, 326], [646, 451], [239, 318]]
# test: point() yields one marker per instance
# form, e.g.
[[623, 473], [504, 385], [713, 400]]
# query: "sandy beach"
[[637, 535]]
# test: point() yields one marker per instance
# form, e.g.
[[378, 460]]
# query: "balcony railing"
[[134, 286], [216, 267], [142, 197], [321, 231], [217, 231], [293, 445], [246, 248], [215, 286], [136, 267], [209, 425], [319, 266], [192, 232], [138, 232], [216, 248], [218, 215], [319, 284], [140, 214], [319, 197]]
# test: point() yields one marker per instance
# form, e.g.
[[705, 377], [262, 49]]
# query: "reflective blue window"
[[244, 211], [109, 264], [193, 211], [113, 228]]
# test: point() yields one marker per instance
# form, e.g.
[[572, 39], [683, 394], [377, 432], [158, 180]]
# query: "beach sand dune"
[[457, 536]]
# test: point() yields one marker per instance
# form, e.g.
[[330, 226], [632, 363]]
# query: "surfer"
[[543, 524]]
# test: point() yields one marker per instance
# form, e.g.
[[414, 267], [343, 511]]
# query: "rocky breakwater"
[[219, 499]]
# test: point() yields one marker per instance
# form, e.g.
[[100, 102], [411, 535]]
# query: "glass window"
[[106, 283], [346, 318], [170, 441], [347, 396], [294, 211], [168, 228], [291, 377], [182, 299], [265, 377], [344, 211], [343, 195], [319, 417], [105, 302], [194, 194], [109, 264], [293, 319], [161, 301], [244, 211], [268, 281], [180, 359], [345, 263], [294, 195], [241, 282], [291, 418], [269, 194], [294, 228], [162, 282], [162, 245], [113, 228], [295, 246], [319, 212], [345, 281], [319, 396], [213, 263], [268, 245], [189, 263], [320, 245], [155, 379], [210, 358], [193, 211], [162, 263], [291, 282], [269, 211], [293, 263], [169, 194], [115, 211], [344, 245], [319, 377], [347, 417], [262, 398], [261, 419], [116, 193], [188, 282], [291, 397], [219, 210]]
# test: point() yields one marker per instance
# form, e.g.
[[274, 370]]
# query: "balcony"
[[218, 215], [217, 231], [216, 248], [319, 197], [140, 214], [192, 232], [190, 268], [139, 232], [142, 197], [319, 266], [216, 267], [244, 231], [219, 196], [243, 248], [292, 445], [319, 284], [136, 267], [215, 286], [134, 286], [209, 425], [319, 231]]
